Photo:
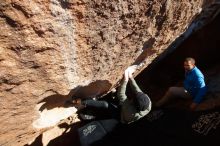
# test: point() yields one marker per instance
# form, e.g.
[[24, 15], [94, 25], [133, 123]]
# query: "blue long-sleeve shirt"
[[194, 83]]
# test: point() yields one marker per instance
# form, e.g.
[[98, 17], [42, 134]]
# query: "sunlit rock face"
[[52, 49]]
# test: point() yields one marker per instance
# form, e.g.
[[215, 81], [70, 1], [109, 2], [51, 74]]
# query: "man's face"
[[188, 65]]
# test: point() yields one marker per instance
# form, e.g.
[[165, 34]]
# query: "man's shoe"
[[74, 102]]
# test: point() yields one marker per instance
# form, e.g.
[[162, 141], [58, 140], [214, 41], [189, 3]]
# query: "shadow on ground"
[[168, 127], [69, 136]]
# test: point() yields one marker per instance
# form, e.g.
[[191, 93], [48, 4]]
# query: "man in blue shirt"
[[194, 86]]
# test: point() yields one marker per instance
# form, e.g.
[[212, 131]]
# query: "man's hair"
[[190, 59], [142, 101]]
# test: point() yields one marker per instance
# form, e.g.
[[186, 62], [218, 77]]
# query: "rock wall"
[[53, 49]]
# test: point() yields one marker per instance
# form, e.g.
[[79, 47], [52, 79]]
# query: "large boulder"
[[53, 49]]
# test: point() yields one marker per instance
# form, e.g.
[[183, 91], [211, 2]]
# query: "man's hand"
[[193, 106], [130, 70]]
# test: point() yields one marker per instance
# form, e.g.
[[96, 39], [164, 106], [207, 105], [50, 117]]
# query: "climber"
[[194, 86], [131, 109]]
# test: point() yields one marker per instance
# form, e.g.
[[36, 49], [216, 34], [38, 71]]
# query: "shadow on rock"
[[94, 89]]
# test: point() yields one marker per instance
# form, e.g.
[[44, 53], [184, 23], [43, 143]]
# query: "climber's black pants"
[[100, 109]]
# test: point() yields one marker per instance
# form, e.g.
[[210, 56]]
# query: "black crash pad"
[[95, 131]]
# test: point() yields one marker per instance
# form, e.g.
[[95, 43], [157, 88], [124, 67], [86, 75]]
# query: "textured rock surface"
[[50, 49]]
